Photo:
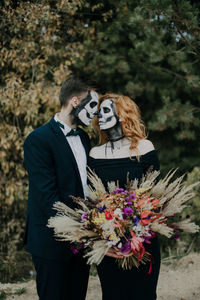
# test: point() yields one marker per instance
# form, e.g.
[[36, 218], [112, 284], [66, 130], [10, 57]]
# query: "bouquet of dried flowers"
[[124, 218]]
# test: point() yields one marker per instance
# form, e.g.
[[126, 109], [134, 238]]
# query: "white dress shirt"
[[78, 151]]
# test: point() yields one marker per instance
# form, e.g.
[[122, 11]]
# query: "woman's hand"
[[114, 252]]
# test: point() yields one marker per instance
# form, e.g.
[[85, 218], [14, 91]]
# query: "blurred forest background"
[[148, 50]]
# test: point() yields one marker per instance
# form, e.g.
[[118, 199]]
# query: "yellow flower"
[[99, 219], [113, 237]]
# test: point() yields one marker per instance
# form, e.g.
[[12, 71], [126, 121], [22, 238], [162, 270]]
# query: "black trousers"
[[134, 284], [61, 280]]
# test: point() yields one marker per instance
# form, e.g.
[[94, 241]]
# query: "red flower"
[[109, 215]]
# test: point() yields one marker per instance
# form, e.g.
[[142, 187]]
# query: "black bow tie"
[[73, 132]]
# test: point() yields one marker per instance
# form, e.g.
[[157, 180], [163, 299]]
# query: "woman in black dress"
[[124, 150]]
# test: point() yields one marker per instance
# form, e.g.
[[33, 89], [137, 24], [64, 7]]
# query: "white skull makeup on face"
[[87, 108], [107, 115]]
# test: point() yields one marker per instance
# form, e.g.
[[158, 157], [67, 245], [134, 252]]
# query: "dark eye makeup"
[[93, 104], [106, 110]]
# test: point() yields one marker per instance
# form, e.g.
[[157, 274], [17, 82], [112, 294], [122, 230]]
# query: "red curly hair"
[[129, 114]]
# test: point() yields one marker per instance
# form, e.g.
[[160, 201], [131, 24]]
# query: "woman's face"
[[107, 115]]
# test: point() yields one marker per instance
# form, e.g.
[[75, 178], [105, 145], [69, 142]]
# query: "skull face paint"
[[87, 108], [107, 115]]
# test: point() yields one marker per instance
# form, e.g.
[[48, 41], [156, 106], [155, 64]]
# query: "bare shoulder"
[[98, 152], [145, 146]]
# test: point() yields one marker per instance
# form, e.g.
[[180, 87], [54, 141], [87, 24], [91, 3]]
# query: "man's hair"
[[72, 86]]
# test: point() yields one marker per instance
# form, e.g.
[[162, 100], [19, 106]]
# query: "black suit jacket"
[[53, 176]]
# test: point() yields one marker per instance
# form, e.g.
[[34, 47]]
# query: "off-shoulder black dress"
[[134, 284]]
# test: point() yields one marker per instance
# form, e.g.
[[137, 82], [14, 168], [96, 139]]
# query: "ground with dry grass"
[[179, 280]]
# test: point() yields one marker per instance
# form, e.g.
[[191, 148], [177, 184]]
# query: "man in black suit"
[[55, 158]]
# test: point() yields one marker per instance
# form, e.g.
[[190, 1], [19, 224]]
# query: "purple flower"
[[137, 220], [133, 195], [74, 250], [146, 239], [101, 209], [118, 190], [176, 237], [128, 211], [129, 200], [125, 248], [83, 217]]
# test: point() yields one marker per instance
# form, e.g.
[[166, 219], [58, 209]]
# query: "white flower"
[[120, 245], [118, 213], [141, 230], [113, 243]]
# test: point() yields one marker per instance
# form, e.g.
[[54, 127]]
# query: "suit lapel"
[[64, 145]]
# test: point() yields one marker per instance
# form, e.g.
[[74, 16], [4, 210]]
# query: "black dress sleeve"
[[150, 162]]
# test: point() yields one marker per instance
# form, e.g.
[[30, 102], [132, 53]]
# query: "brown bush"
[[35, 59]]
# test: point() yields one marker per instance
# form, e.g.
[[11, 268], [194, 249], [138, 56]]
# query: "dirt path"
[[180, 281]]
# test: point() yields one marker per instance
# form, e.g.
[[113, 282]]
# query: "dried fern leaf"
[[162, 229], [91, 193], [187, 226], [68, 229], [148, 181], [63, 209], [177, 203], [99, 250], [96, 183], [111, 186]]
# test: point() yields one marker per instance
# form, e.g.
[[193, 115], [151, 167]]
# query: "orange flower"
[[144, 214], [144, 217], [155, 202], [144, 199]]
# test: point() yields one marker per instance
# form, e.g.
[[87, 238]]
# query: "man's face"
[[87, 108], [107, 115]]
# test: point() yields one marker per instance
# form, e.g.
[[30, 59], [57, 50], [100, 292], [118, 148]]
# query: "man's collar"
[[66, 128]]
